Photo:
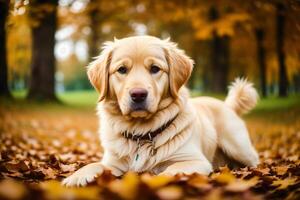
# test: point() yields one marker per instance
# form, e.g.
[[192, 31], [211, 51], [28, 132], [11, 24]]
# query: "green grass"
[[79, 98], [19, 94], [271, 103], [88, 98], [275, 103], [195, 93]]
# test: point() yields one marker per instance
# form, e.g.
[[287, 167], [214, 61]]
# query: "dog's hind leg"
[[235, 142], [221, 160]]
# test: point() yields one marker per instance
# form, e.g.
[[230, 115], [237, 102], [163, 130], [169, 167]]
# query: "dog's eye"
[[154, 69], [122, 70]]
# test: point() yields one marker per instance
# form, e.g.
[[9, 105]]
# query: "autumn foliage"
[[39, 147], [258, 39], [45, 46]]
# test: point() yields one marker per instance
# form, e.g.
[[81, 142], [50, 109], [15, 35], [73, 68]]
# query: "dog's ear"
[[180, 67], [97, 70]]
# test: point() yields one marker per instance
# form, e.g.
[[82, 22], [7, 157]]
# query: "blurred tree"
[[4, 6], [42, 80], [216, 22], [280, 30], [222, 36], [75, 77], [219, 57], [95, 23], [259, 9], [296, 80], [98, 20], [94, 39], [107, 17], [19, 56], [261, 59]]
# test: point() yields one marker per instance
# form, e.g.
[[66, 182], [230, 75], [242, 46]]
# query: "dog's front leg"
[[84, 175], [88, 174], [189, 167]]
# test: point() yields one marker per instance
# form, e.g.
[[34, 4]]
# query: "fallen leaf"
[[200, 182], [281, 170], [156, 181], [170, 192], [68, 167], [20, 166], [241, 185], [126, 187], [225, 177], [283, 184], [10, 189], [54, 190]]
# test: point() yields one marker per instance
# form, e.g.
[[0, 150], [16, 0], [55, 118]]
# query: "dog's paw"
[[254, 160], [84, 175]]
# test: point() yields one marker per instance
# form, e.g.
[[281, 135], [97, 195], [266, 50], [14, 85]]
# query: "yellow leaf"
[[54, 190], [283, 184], [225, 177], [214, 195], [241, 185], [199, 181], [126, 187], [281, 170], [170, 192], [156, 181], [11, 189]]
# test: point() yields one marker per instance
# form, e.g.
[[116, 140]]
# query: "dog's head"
[[138, 72]]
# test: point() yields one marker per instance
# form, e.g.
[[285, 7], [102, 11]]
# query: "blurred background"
[[46, 44], [48, 125]]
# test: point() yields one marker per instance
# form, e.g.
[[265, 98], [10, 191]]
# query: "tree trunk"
[[42, 80], [219, 59], [96, 19], [296, 81], [280, 26], [94, 38], [220, 64], [4, 6], [261, 59]]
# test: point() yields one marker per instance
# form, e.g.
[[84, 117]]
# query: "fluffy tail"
[[242, 96]]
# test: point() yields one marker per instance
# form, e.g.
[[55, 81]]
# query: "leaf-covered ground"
[[42, 144]]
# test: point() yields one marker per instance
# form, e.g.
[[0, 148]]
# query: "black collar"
[[149, 135]]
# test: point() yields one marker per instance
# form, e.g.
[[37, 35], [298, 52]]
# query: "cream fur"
[[189, 145]]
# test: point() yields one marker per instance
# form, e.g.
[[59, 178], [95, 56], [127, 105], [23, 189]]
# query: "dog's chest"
[[143, 158]]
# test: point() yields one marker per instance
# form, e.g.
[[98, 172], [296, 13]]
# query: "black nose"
[[138, 95]]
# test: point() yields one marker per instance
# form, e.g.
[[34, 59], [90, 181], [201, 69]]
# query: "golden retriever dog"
[[148, 123]]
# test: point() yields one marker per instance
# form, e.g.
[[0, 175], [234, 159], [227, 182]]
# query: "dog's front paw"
[[84, 175]]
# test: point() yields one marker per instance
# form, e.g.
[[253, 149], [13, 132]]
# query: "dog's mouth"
[[138, 106], [139, 114], [139, 110]]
